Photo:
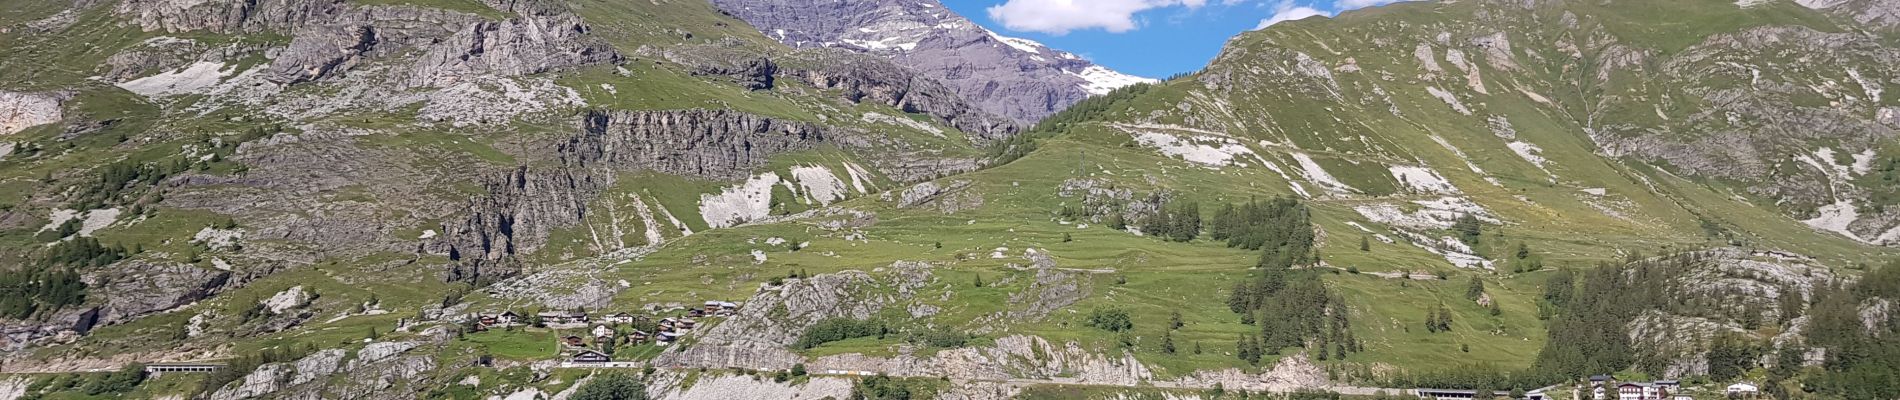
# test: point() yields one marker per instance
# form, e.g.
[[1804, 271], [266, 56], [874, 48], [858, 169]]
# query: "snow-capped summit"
[[1014, 77]]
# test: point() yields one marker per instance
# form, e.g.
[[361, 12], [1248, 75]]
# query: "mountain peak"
[[1014, 77]]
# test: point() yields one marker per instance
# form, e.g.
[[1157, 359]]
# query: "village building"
[[618, 318], [1603, 386], [508, 318], [686, 323], [721, 308], [1743, 389], [574, 341], [562, 317], [590, 357], [602, 330], [636, 337], [667, 338]]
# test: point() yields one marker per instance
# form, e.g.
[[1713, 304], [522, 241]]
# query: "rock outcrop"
[[717, 144], [19, 111], [862, 78]]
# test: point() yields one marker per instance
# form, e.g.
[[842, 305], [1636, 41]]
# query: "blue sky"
[[1151, 38]]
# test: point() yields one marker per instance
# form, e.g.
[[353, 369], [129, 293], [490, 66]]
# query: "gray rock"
[[1015, 78], [320, 51], [719, 144]]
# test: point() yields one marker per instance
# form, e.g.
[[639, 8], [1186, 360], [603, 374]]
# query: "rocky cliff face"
[[19, 111], [716, 144], [1725, 291], [1015, 78]]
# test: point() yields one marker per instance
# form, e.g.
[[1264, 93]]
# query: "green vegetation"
[[1862, 363], [611, 386], [836, 329], [1087, 110], [1112, 320]]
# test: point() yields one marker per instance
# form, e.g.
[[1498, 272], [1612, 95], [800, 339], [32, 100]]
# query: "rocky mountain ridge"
[[1012, 77]]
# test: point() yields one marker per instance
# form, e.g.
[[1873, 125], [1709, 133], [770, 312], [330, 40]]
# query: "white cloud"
[[1286, 11], [1059, 17]]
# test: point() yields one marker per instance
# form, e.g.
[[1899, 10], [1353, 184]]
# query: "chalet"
[[1658, 390], [602, 330], [721, 308], [591, 357], [618, 318], [574, 341], [695, 313], [1743, 389], [668, 337], [486, 320], [508, 318], [637, 336], [686, 323], [562, 317], [604, 340]]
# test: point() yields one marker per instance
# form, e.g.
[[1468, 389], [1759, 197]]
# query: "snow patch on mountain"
[[733, 206], [882, 44], [89, 221], [1026, 45], [1422, 179], [1102, 80], [858, 176], [196, 78], [1211, 151], [1836, 217], [819, 183], [881, 118], [1449, 98], [1431, 214], [1312, 171], [1529, 152], [1467, 159]]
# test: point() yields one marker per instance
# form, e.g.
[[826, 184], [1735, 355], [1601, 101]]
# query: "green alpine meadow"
[[883, 200]]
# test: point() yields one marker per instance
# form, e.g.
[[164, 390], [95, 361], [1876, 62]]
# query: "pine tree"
[[1167, 342], [1475, 289], [1365, 244]]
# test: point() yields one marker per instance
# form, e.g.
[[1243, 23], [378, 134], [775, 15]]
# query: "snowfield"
[[1422, 179]]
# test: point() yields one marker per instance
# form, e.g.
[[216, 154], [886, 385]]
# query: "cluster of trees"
[[82, 252], [1112, 320], [1863, 362], [1280, 227], [1438, 319], [1291, 308], [1587, 327], [943, 338], [882, 387], [1007, 150], [1178, 221], [611, 386], [1469, 229], [101, 385], [836, 329], [1523, 260], [1884, 184], [1588, 313], [54, 281], [120, 179]]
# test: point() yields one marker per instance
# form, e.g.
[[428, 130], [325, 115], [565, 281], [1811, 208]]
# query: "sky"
[[1151, 38]]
